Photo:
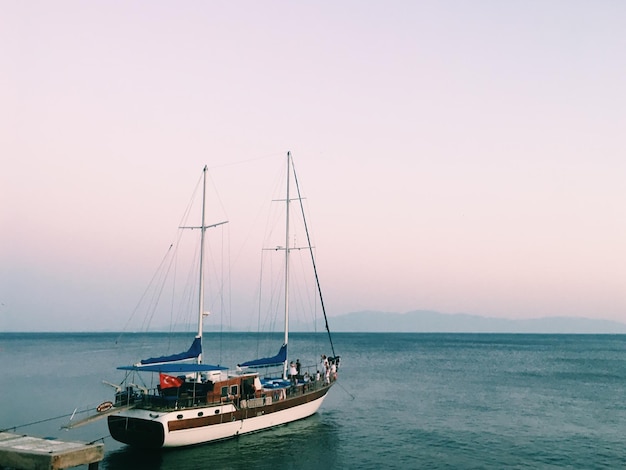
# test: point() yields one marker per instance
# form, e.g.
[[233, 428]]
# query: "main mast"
[[287, 263], [202, 228], [201, 282]]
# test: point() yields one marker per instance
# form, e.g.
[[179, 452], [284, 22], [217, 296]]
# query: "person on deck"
[[293, 373], [324, 361], [333, 371]]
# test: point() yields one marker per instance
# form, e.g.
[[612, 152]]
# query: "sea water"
[[433, 401]]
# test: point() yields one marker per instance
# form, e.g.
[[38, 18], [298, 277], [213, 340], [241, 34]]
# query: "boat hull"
[[185, 427]]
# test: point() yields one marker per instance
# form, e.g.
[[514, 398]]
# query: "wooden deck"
[[33, 453]]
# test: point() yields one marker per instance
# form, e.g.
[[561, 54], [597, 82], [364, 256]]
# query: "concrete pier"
[[33, 453]]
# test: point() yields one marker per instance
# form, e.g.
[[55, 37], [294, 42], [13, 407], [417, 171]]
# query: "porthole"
[[217, 412], [179, 417], [200, 413]]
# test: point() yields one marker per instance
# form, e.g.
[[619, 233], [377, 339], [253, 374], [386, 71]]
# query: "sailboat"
[[195, 402]]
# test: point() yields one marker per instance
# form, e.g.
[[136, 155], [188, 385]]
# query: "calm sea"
[[432, 401]]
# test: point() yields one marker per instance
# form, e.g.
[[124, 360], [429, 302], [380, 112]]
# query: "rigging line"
[[154, 300], [345, 390], [174, 287], [175, 314], [99, 439], [258, 326], [217, 196], [42, 421], [188, 294], [145, 292], [173, 263], [217, 299], [158, 270], [263, 209], [276, 291], [221, 293], [307, 299], [308, 239], [230, 284], [156, 295], [190, 203], [265, 321]]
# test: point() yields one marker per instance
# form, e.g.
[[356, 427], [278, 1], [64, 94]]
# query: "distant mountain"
[[426, 321]]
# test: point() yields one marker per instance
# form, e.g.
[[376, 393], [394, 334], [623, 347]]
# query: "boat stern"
[[137, 432]]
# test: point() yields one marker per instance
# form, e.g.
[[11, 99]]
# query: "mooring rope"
[[99, 439], [13, 428]]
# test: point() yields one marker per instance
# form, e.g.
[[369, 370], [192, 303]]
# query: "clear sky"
[[456, 156]]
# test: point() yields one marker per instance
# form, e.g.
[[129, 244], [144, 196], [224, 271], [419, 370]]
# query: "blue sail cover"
[[194, 351], [171, 367], [268, 361]]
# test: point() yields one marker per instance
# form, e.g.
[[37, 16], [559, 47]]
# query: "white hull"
[[227, 430], [256, 420]]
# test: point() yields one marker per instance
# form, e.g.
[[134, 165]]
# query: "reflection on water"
[[310, 443]]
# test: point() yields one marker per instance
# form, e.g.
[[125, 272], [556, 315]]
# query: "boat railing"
[[192, 394], [170, 398]]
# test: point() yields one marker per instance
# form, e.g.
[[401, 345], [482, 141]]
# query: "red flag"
[[169, 381]]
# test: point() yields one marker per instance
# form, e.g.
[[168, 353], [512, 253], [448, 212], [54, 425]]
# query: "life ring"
[[104, 406]]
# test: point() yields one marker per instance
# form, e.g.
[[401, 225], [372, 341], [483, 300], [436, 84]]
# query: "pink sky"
[[456, 156]]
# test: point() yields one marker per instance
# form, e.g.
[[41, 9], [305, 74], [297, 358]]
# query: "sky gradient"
[[456, 156]]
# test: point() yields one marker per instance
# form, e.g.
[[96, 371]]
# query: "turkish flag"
[[169, 381]]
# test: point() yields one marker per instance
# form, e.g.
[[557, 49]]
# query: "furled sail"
[[194, 351], [173, 367], [278, 359]]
